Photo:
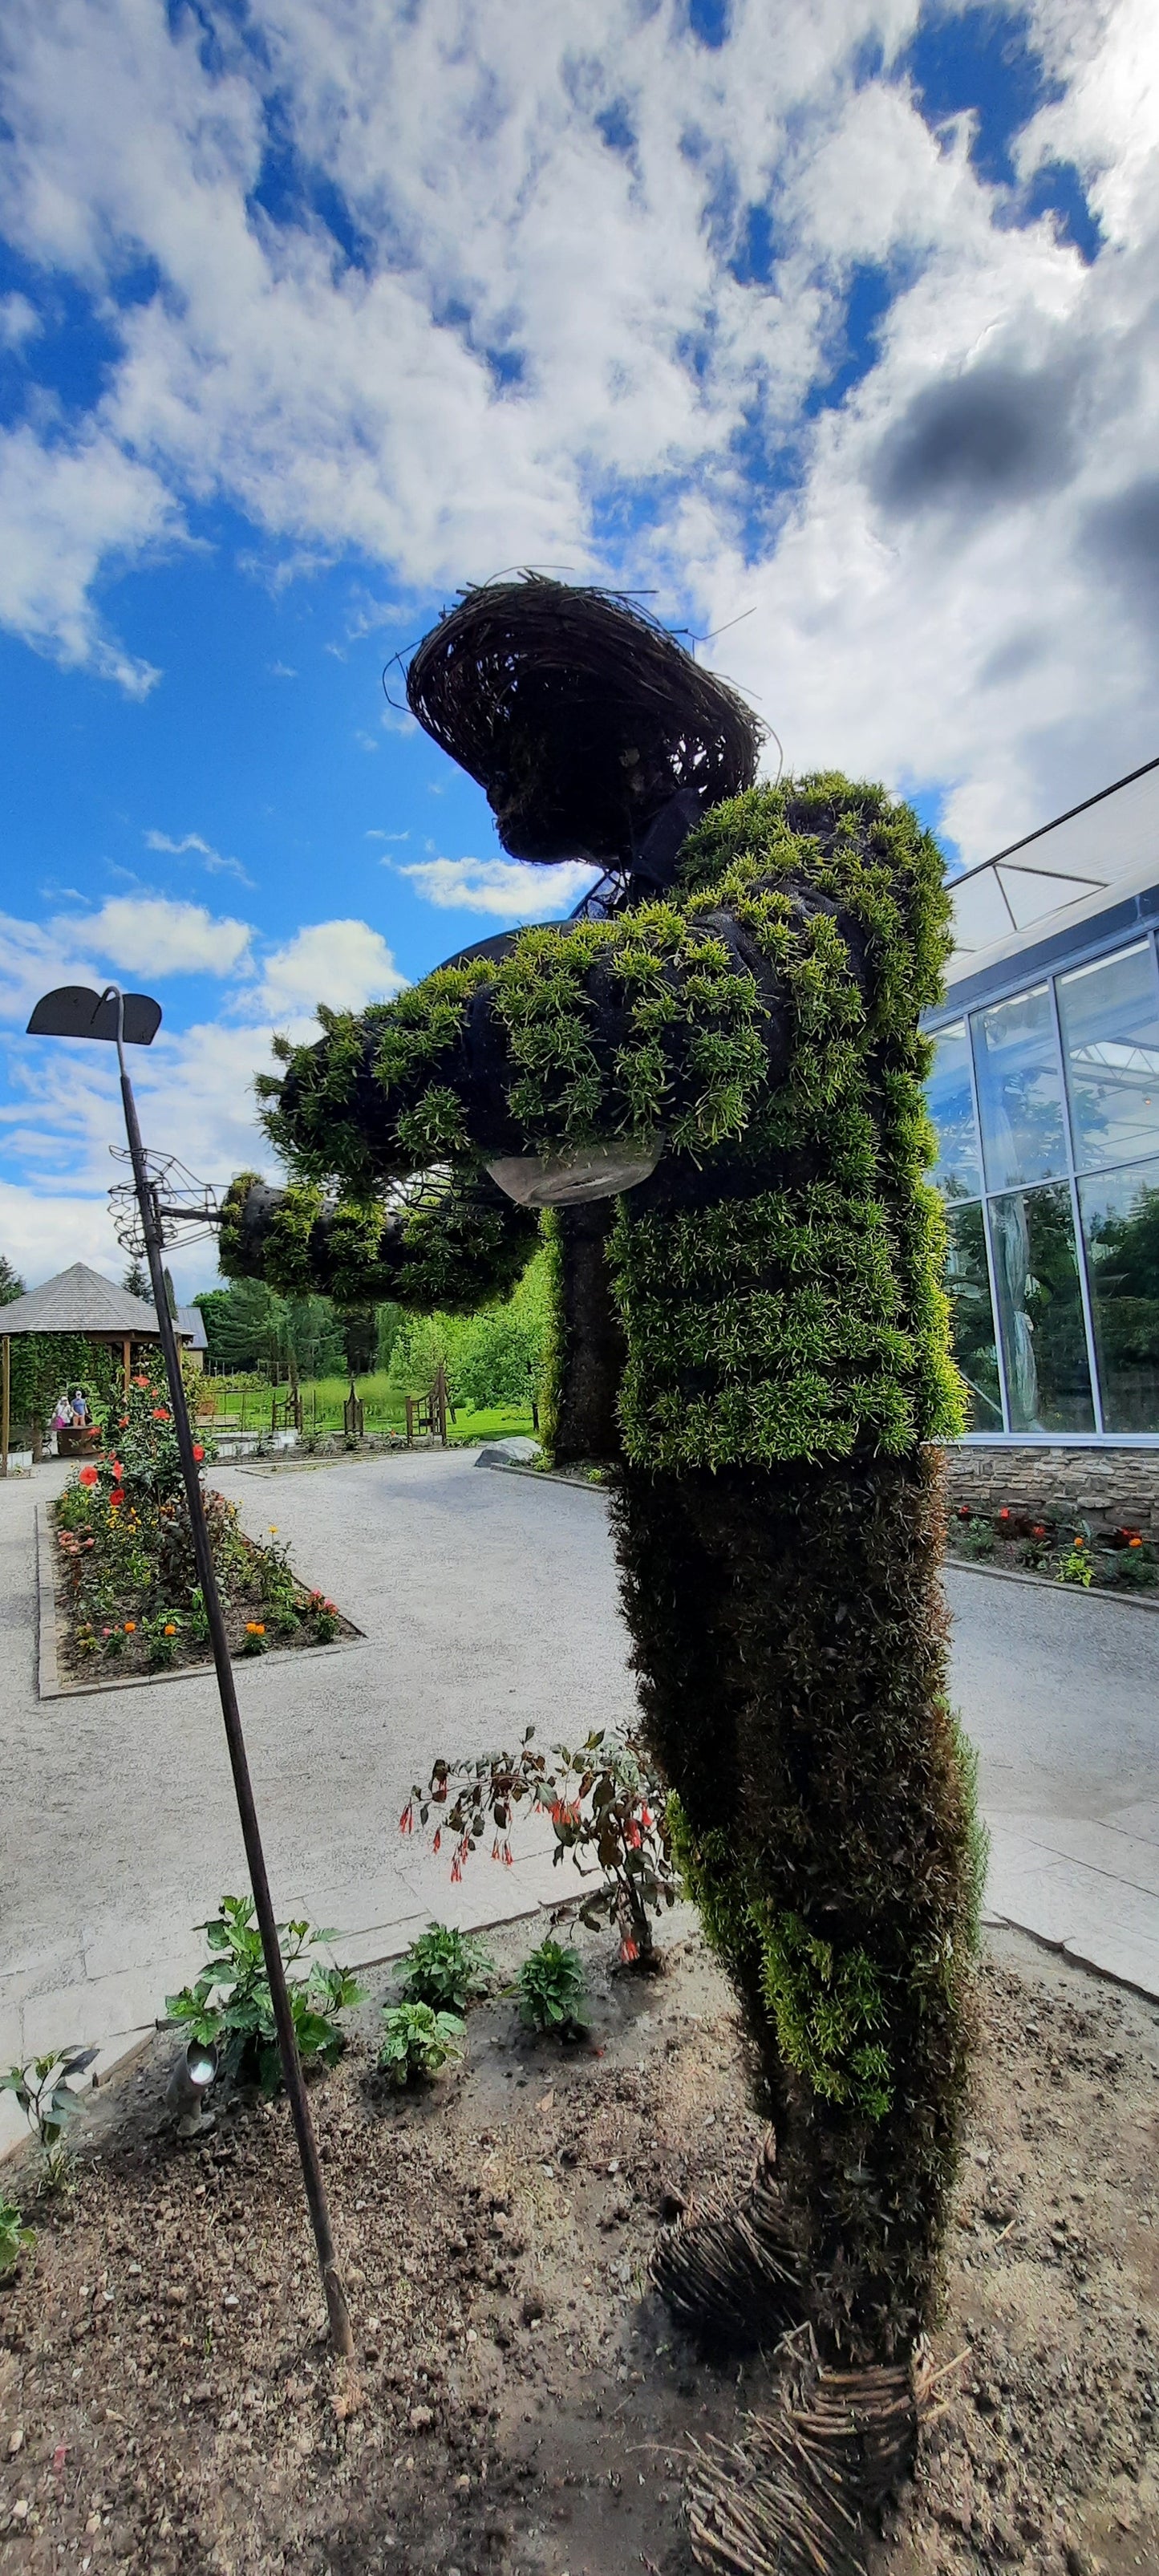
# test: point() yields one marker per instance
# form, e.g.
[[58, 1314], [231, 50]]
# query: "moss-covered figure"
[[755, 1333]]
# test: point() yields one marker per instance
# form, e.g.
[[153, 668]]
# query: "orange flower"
[[130, 1627], [159, 1413], [254, 1628], [198, 1453], [1134, 1542], [1078, 1542], [170, 1627]]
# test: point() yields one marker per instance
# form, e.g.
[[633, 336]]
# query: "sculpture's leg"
[[789, 1638]]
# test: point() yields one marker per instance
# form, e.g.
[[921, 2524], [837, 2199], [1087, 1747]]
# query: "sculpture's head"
[[581, 719]]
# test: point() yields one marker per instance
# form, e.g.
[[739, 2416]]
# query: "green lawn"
[[383, 1407]]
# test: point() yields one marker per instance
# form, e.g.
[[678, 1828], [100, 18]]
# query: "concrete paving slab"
[[1131, 1961], [1116, 1855]]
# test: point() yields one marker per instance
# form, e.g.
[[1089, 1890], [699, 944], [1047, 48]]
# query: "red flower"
[[632, 1837], [438, 1840], [88, 1476], [143, 1383], [629, 1949], [123, 1424], [507, 1856], [159, 1413], [646, 1818], [117, 1469], [456, 1872], [406, 1822], [116, 1498], [198, 1452], [1004, 1514]]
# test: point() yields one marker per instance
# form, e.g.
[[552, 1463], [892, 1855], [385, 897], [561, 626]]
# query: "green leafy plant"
[[1078, 1565], [43, 2090], [163, 1639], [14, 2238], [229, 2005], [445, 1969], [417, 2041], [603, 1805], [550, 1987]]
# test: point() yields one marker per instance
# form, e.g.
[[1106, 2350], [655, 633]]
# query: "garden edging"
[[48, 1682], [1047, 1583]]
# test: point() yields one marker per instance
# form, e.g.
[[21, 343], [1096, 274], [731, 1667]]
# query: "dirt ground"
[[521, 2405]]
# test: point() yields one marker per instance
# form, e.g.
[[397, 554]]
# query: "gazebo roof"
[[80, 1301]]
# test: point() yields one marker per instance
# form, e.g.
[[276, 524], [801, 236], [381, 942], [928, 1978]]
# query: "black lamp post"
[[133, 1019]]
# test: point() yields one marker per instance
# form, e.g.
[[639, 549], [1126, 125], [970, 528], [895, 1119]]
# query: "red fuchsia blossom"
[[437, 1843], [456, 1871], [646, 1819], [88, 1476], [632, 1836], [629, 1949], [197, 1452], [406, 1822]]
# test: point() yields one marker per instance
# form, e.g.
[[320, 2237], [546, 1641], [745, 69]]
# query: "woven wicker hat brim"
[[578, 716]]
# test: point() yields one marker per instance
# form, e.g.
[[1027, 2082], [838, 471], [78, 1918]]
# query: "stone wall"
[[1105, 1486]]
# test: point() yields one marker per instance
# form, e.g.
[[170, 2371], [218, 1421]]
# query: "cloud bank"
[[746, 321]]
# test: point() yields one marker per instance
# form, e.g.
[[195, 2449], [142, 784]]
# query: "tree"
[[11, 1285], [359, 1328], [136, 1281]]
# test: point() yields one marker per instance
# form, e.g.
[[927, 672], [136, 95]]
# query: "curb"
[[543, 1476], [50, 1686], [1046, 1583], [1074, 1953]]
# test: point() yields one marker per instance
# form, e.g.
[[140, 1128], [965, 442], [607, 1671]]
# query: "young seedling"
[[42, 2087], [229, 2005], [417, 2042], [445, 1969], [14, 2238], [550, 1986]]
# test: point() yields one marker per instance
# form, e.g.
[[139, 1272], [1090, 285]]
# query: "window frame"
[[1142, 933]]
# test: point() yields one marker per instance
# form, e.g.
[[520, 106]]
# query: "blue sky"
[[840, 330]]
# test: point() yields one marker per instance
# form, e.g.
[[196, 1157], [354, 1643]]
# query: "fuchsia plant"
[[601, 1803]]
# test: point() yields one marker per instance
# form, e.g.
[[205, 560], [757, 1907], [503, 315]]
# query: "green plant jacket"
[[778, 1274]]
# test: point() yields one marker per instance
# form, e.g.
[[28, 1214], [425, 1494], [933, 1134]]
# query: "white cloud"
[[19, 321], [150, 935], [44, 1232], [500, 886], [342, 963], [552, 322], [213, 861]]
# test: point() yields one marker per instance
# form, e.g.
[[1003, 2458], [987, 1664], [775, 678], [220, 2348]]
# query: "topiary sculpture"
[[713, 1082]]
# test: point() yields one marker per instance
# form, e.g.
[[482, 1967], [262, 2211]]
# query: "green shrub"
[[229, 2006], [14, 2239], [445, 1969], [550, 1986], [43, 2090], [417, 2041]]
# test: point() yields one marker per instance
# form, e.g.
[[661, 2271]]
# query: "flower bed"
[[127, 1579], [1119, 1560]]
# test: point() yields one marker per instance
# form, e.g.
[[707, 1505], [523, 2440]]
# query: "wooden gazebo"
[[79, 1301]]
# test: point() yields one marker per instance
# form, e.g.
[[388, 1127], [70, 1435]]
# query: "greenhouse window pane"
[[1040, 1311], [1110, 1033], [1121, 1224], [1019, 1090], [949, 1099], [972, 1317]]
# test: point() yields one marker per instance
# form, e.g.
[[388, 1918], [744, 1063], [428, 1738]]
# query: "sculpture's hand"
[[450, 1242]]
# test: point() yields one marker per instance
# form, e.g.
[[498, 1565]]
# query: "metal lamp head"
[[194, 2070]]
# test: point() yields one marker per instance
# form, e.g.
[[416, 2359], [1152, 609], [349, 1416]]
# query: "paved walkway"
[[489, 1604], [1060, 1692]]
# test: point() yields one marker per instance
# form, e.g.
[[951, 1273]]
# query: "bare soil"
[[520, 2404]]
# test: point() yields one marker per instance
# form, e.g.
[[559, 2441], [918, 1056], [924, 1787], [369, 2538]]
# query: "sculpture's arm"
[[453, 1242], [659, 1020]]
